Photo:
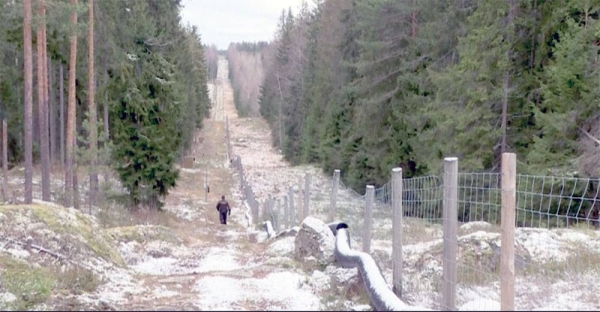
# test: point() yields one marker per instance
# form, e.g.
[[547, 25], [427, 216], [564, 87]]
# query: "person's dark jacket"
[[223, 207]]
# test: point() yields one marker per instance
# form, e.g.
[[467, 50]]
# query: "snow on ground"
[[270, 174], [185, 211], [282, 247], [279, 291], [219, 259]]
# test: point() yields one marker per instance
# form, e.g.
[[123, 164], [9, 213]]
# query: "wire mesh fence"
[[554, 238]]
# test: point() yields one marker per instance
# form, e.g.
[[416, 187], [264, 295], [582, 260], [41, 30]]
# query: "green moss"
[[93, 237], [142, 234], [30, 285]]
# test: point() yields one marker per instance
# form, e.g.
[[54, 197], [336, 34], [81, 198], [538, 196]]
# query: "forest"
[[101, 86], [367, 85]]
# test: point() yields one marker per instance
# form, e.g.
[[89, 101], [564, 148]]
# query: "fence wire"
[[545, 254], [554, 238]]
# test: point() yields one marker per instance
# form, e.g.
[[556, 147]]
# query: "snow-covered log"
[[381, 296]]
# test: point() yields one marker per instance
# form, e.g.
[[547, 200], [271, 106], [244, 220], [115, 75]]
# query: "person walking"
[[224, 210]]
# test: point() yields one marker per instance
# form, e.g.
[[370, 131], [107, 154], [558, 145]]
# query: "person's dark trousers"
[[223, 216]]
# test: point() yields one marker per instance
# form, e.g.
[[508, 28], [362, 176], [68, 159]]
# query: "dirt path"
[[217, 267]]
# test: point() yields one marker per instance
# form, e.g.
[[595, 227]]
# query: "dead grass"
[[75, 280], [334, 299], [581, 260], [418, 230]]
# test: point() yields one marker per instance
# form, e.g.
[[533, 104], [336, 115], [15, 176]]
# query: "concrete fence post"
[[397, 215], [507, 249], [450, 212], [333, 196], [368, 222]]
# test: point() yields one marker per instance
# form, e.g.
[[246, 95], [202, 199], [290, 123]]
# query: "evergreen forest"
[[101, 85], [368, 85]]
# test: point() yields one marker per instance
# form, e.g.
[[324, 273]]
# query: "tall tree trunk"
[[28, 101], [52, 115], [42, 99], [71, 131], [34, 85], [106, 133], [61, 95], [93, 131], [279, 117], [76, 198]]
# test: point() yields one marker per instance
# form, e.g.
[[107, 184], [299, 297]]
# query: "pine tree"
[[43, 98], [93, 129], [28, 109], [145, 112], [71, 114]]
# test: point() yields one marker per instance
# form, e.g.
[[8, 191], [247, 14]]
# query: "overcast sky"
[[224, 21]]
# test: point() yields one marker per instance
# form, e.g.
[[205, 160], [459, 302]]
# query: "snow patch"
[[475, 224], [18, 253], [190, 170], [542, 245], [219, 259], [480, 305], [7, 297], [320, 281], [283, 246], [279, 291]]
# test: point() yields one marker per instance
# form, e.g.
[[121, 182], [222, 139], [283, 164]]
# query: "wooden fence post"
[[286, 212], [255, 208], [292, 209], [368, 222], [299, 204], [277, 213], [507, 262], [333, 196], [397, 231], [450, 212], [306, 195]]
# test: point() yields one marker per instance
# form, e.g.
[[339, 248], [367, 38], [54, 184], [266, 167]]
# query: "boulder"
[[314, 239]]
